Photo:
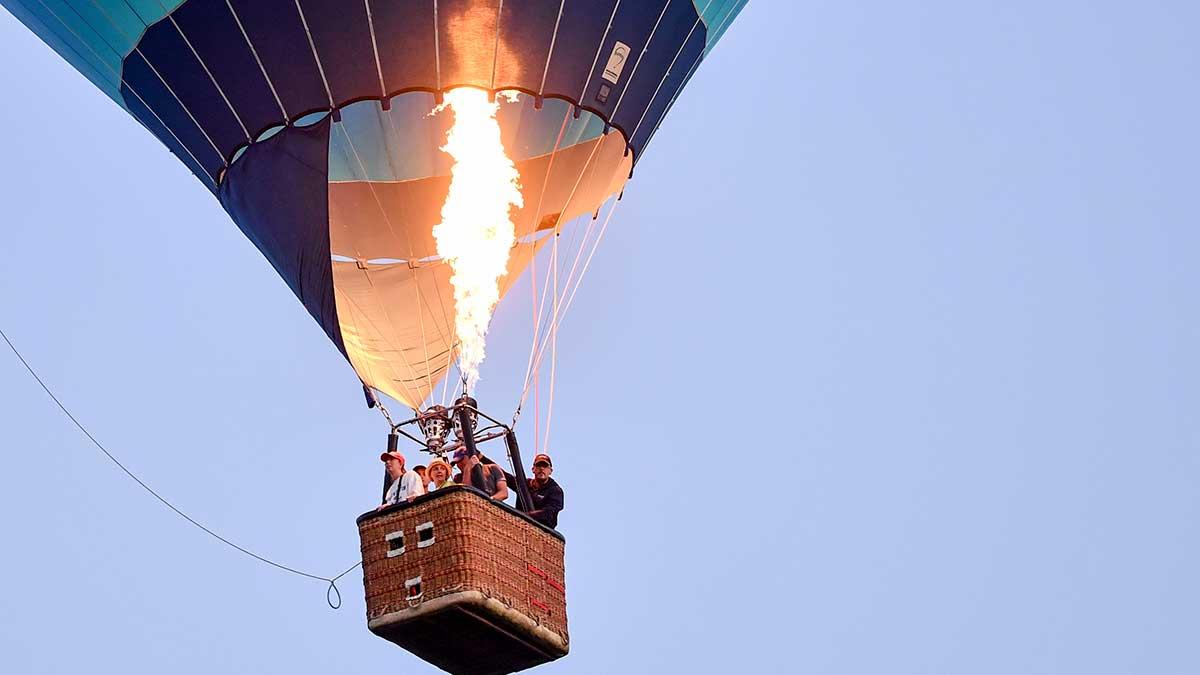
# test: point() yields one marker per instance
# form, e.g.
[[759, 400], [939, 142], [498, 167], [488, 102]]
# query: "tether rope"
[[331, 592]]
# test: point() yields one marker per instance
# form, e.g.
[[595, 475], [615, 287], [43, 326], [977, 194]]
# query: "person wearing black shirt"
[[546, 493]]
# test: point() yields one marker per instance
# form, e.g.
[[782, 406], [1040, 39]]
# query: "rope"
[[553, 334], [332, 581], [567, 305], [552, 266], [533, 306], [536, 306]]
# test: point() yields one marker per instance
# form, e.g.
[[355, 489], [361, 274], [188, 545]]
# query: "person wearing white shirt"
[[405, 486]]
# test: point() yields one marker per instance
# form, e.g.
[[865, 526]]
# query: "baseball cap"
[[542, 457], [391, 455]]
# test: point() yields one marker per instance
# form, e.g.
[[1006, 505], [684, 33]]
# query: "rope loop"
[[336, 595]]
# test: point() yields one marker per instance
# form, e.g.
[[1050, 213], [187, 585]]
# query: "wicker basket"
[[464, 582]]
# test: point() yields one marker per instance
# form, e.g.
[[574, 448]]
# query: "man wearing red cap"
[[404, 485], [546, 493]]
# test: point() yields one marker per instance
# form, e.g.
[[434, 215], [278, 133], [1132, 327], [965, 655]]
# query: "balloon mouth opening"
[[477, 232], [386, 103]]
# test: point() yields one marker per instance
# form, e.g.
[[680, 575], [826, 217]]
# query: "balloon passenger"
[[405, 485], [487, 478], [421, 471], [439, 473], [546, 493]]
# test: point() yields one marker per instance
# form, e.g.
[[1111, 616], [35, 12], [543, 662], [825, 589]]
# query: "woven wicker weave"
[[490, 596]]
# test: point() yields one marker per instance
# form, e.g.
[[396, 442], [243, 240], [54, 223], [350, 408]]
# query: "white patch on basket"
[[413, 592], [616, 62], [395, 541], [425, 534]]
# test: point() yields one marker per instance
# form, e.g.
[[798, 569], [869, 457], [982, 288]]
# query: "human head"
[[439, 471], [542, 467], [394, 462], [420, 469]]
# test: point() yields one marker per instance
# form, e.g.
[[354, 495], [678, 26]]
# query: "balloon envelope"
[[309, 120]]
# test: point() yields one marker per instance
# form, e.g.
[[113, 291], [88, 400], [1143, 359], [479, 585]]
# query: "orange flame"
[[476, 233]]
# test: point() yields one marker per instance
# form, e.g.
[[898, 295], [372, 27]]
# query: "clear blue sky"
[[888, 364]]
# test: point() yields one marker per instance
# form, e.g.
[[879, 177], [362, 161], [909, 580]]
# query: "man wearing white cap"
[[404, 485]]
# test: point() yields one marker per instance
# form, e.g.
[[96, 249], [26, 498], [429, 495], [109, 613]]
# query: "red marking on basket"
[[555, 585], [540, 605], [537, 571]]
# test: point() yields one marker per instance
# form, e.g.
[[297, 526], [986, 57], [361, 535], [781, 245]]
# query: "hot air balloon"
[[313, 123]]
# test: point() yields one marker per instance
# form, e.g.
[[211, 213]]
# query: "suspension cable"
[[567, 305], [384, 411], [550, 266], [536, 306]]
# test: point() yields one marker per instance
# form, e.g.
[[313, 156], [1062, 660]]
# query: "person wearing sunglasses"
[[546, 493]]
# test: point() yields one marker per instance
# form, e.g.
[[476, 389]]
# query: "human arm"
[[501, 492], [551, 504], [512, 480]]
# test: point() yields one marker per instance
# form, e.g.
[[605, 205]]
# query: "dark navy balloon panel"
[[274, 33], [231, 62], [406, 55], [277, 196]]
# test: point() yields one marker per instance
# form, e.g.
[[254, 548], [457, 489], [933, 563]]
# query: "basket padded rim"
[[430, 496]]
